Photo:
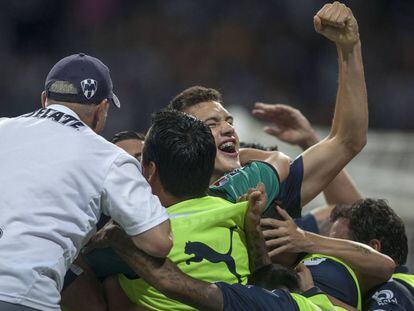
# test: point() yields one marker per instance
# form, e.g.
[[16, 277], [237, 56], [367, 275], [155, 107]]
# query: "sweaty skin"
[[132, 146], [229, 157]]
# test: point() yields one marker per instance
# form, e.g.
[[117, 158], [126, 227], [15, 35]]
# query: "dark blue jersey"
[[391, 295], [249, 297], [308, 223], [289, 194], [334, 279]]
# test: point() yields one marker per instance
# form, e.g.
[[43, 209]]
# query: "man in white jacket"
[[58, 177]]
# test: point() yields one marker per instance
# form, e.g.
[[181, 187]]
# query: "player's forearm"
[[362, 258], [166, 277], [350, 122]]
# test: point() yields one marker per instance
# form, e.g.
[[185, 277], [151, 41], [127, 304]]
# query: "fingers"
[[272, 131], [261, 187], [264, 106], [279, 250], [335, 14], [317, 23], [283, 213], [279, 108], [273, 223], [254, 197], [242, 198], [301, 268], [278, 241], [274, 233]]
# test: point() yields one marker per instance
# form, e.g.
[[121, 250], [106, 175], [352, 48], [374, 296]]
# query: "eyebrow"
[[216, 119]]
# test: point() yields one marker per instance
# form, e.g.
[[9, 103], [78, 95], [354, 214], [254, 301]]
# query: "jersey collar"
[[64, 109]]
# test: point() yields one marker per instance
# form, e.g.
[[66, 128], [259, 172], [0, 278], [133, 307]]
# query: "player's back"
[[391, 295], [209, 244], [52, 171]]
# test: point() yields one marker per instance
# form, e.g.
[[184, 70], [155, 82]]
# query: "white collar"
[[64, 109]]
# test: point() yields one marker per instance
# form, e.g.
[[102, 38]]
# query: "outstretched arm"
[[371, 266]]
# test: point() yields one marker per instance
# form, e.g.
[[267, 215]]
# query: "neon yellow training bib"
[[209, 244]]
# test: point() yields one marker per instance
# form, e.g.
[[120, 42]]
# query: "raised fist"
[[336, 22]]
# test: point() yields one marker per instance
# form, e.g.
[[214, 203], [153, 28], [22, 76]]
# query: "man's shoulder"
[[389, 295]]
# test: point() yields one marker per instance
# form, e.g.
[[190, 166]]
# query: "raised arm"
[[371, 266], [323, 161]]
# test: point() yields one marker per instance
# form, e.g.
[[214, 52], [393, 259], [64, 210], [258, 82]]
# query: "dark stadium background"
[[250, 50]]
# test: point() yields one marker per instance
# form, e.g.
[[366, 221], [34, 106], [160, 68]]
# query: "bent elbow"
[[160, 248], [386, 271], [389, 268], [356, 144]]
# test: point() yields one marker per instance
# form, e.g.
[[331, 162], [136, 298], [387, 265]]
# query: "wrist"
[[310, 245], [345, 49]]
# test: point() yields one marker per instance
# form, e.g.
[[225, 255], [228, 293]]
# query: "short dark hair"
[[183, 149], [124, 135], [374, 219], [193, 96], [275, 276]]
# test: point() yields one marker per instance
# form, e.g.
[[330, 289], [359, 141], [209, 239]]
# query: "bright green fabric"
[[351, 272], [407, 278], [318, 302], [206, 221]]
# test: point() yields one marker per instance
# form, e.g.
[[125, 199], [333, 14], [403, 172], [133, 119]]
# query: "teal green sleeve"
[[237, 183]]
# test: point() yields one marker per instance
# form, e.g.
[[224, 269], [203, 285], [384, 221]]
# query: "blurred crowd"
[[250, 50]]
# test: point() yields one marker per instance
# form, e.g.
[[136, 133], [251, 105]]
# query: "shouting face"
[[220, 122]]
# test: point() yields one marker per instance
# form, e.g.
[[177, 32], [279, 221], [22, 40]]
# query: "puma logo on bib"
[[202, 251]]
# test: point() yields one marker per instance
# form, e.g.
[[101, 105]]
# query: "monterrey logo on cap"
[[89, 87]]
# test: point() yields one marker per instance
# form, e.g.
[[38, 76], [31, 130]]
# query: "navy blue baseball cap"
[[80, 78]]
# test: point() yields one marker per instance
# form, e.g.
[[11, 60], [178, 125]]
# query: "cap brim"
[[114, 100]]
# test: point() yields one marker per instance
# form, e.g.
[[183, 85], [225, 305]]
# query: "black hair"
[[275, 276], [193, 96], [124, 135], [183, 150], [374, 219], [258, 146]]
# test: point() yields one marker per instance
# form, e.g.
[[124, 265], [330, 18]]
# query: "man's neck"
[[168, 200]]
